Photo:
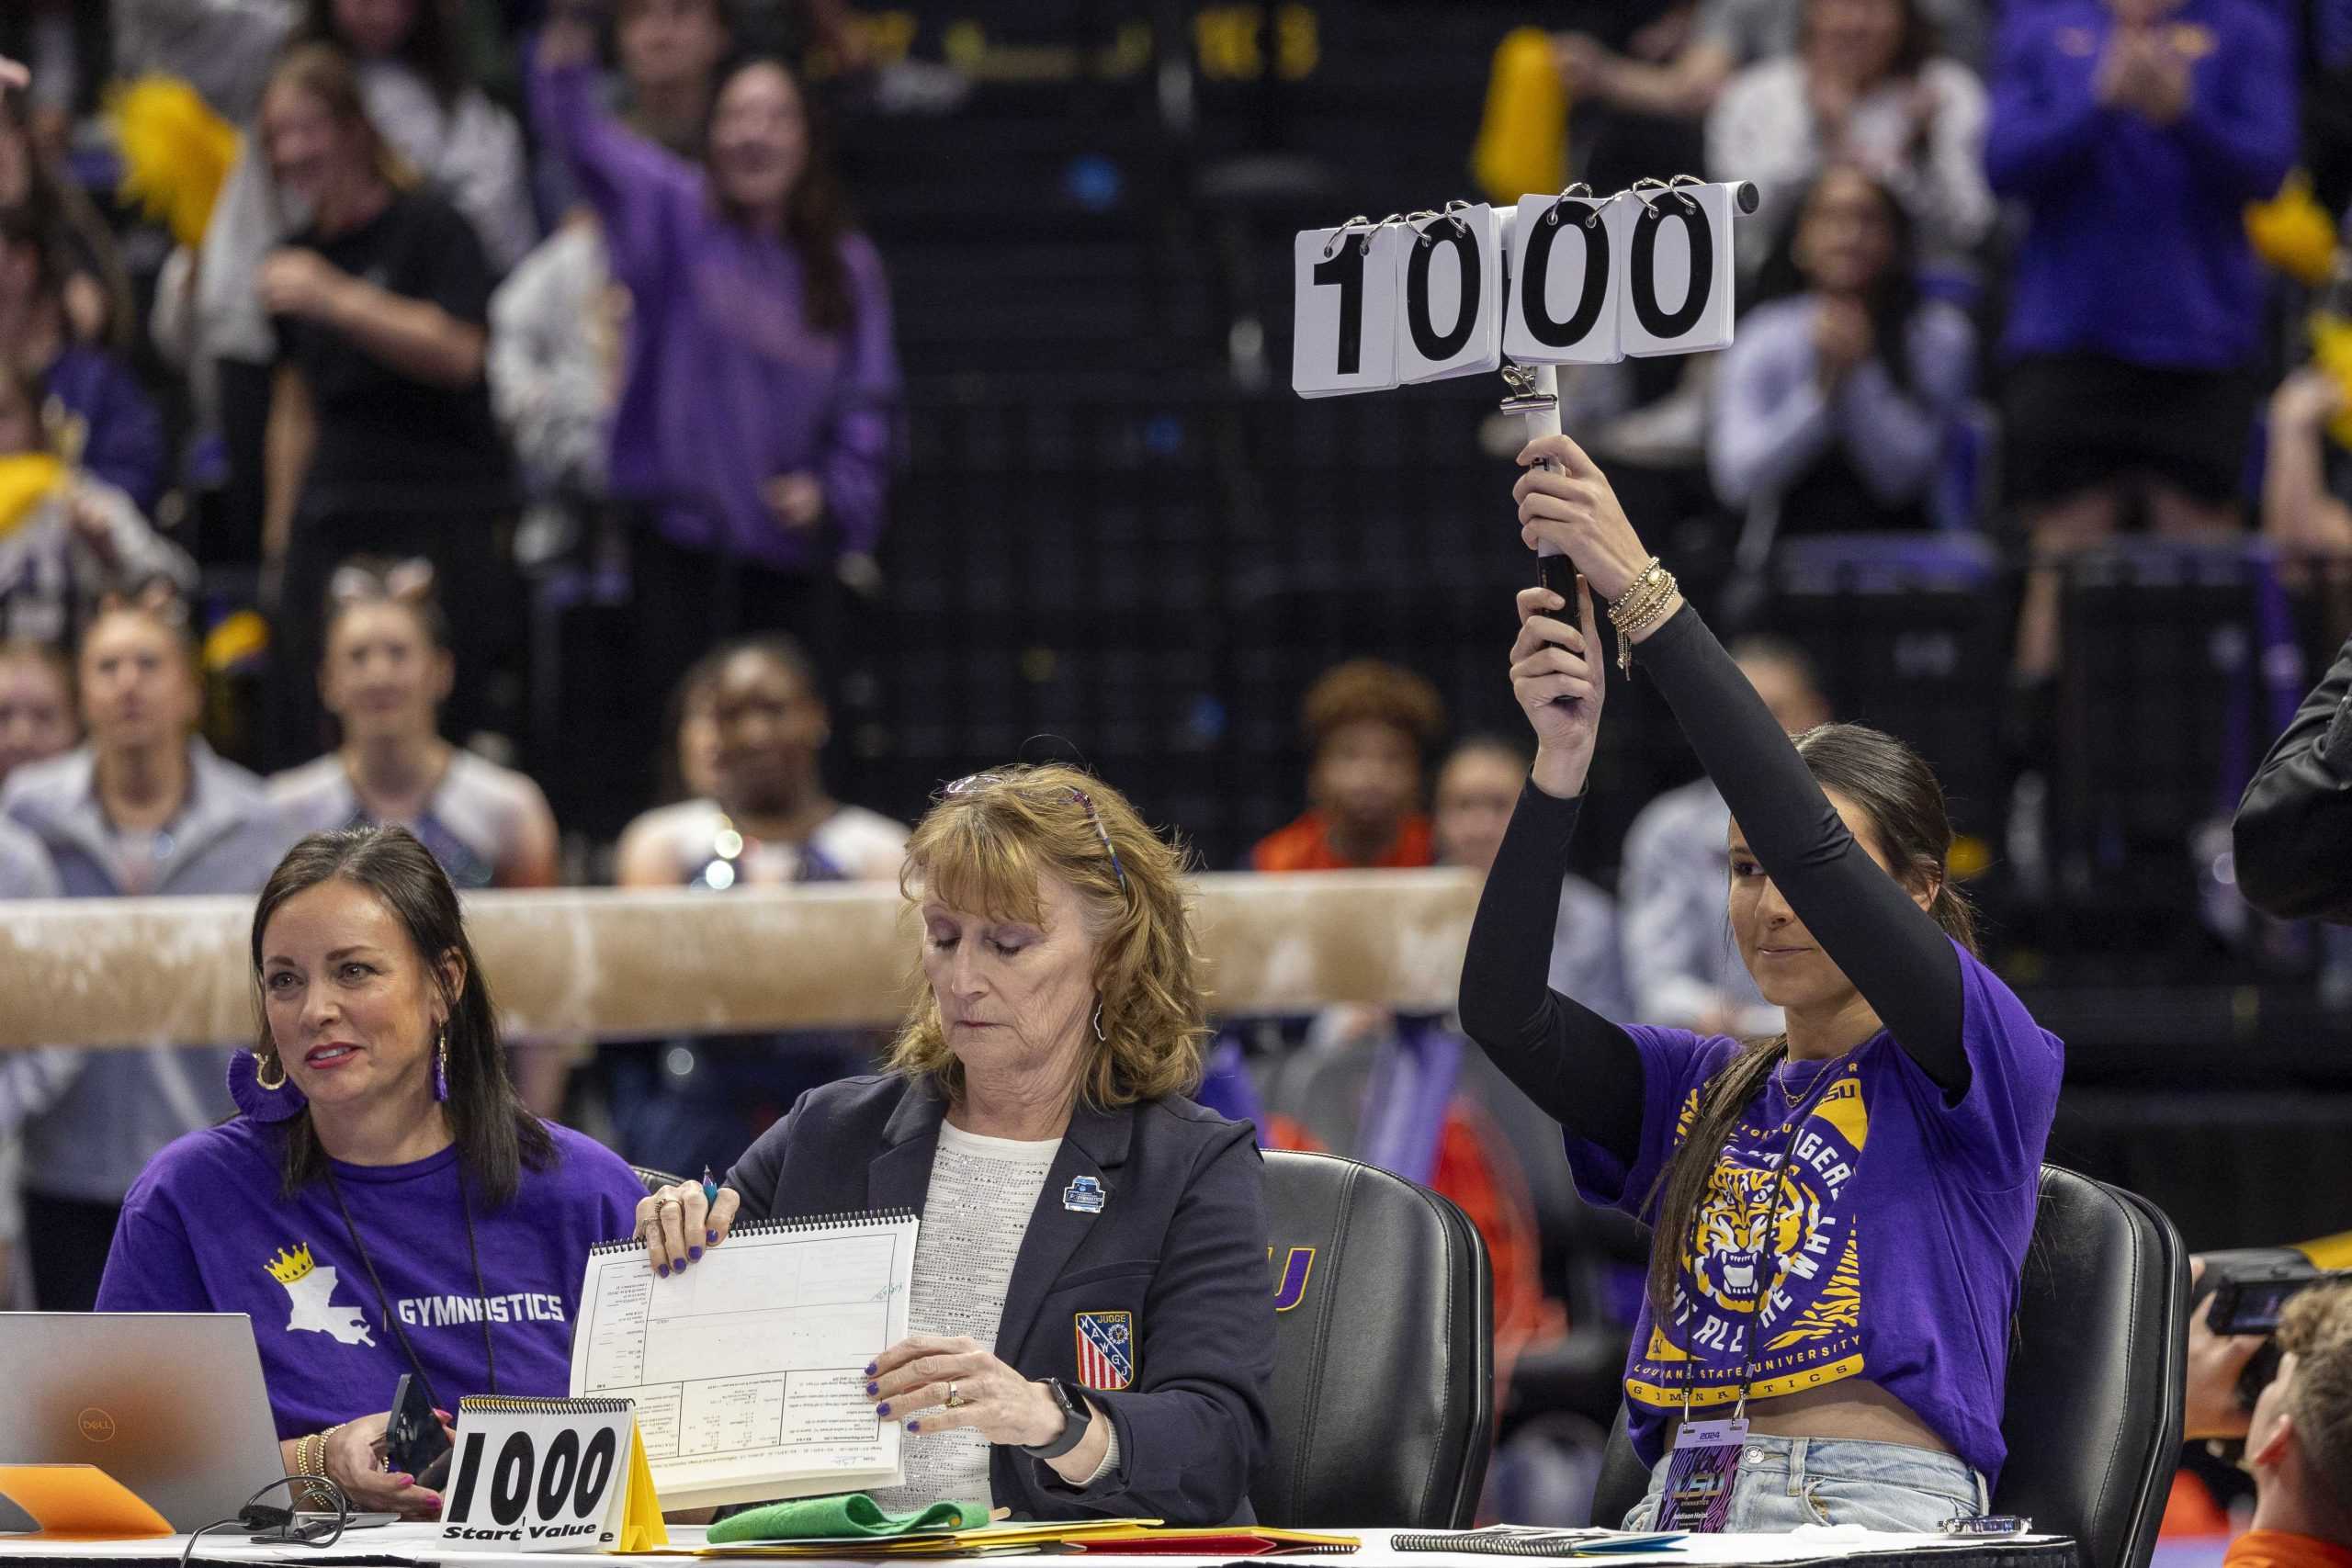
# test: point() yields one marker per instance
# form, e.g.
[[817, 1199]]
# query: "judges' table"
[[412, 1546]]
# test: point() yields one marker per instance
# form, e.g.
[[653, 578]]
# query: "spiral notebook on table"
[[748, 1367]]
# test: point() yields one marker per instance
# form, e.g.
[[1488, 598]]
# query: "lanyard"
[[1822, 1081], [384, 1304]]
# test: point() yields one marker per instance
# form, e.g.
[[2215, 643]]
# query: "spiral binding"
[[501, 1404], [1479, 1543], [846, 1219]]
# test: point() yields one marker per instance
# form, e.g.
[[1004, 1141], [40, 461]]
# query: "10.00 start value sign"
[[1557, 280]]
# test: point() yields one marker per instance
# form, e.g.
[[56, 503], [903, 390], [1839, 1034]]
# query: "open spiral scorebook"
[[748, 1367]]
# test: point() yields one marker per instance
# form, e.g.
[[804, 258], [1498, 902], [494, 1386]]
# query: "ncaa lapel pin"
[[1083, 1196]]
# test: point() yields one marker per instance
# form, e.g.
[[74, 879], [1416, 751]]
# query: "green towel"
[[849, 1513]]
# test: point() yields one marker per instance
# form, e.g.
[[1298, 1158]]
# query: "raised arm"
[[855, 467], [2239, 125], [2044, 118], [1583, 1070], [642, 192], [1896, 956]]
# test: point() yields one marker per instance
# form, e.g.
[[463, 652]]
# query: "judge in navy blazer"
[[1090, 1328]]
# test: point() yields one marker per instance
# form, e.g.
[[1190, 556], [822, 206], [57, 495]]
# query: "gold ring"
[[956, 1401]]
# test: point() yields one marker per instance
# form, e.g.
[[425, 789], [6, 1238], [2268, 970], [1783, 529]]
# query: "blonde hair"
[[2317, 1326], [326, 73], [984, 846]]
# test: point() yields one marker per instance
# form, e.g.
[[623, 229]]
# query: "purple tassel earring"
[[441, 1068], [261, 1090]]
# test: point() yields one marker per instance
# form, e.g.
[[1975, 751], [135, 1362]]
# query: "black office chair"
[[2094, 1404], [1382, 1397]]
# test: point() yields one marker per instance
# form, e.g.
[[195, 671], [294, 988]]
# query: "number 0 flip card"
[[1679, 276], [1451, 289]]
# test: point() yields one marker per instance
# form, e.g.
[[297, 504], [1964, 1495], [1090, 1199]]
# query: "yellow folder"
[[78, 1501]]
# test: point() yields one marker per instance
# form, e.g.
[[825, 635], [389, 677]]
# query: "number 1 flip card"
[[1344, 294]]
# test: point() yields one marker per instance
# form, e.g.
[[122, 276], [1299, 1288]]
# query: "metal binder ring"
[[1576, 191], [1340, 235], [1658, 187]]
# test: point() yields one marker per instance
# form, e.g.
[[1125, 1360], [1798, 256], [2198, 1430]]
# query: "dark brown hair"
[[1903, 807], [431, 48], [1912, 51], [815, 215], [1373, 690], [496, 1136]]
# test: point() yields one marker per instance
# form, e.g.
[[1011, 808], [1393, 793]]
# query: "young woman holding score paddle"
[[1841, 1211]]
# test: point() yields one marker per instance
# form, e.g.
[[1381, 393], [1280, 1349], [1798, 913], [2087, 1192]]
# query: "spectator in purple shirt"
[[756, 415], [116, 433], [2133, 133]]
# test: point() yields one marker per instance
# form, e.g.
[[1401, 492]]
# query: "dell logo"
[[96, 1425]]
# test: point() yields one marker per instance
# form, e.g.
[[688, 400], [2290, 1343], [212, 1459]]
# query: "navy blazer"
[[1179, 1243]]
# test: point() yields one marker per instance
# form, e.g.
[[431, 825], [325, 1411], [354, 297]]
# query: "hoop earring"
[[271, 1060], [1098, 1020], [441, 1068]]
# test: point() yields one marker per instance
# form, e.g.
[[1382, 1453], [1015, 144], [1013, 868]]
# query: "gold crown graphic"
[[289, 1266]]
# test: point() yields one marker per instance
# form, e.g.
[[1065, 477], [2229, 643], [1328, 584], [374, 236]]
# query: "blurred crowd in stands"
[[327, 323]]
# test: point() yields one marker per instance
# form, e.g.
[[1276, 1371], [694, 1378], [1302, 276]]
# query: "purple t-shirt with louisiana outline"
[[205, 1229], [1893, 1250]]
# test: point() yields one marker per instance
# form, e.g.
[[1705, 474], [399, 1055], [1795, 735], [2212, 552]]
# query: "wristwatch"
[[1075, 1416]]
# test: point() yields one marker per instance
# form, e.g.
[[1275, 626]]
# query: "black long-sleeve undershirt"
[[1585, 1070]]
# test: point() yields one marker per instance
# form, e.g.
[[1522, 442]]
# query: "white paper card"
[[747, 1369], [546, 1480], [1450, 282], [1343, 297], [1568, 281], [1679, 275]]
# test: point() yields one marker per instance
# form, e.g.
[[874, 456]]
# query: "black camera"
[[2250, 1301]]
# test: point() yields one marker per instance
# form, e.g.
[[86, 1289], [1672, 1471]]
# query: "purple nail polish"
[[873, 1388], [694, 1252], [914, 1425], [883, 1408], [710, 1238], [869, 1369], [663, 1270]]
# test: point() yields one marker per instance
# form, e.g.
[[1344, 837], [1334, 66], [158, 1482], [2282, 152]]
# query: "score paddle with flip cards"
[[1570, 279], [550, 1475]]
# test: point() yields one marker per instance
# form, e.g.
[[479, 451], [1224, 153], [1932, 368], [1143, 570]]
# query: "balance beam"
[[599, 963]]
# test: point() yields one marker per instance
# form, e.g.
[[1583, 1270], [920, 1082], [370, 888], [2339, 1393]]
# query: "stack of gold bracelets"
[[310, 1460], [1635, 610]]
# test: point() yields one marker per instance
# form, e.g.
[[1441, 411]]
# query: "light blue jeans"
[[1787, 1481]]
